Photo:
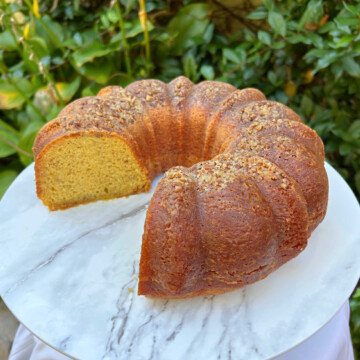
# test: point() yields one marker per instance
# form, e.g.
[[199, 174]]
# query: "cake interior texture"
[[82, 168], [243, 190]]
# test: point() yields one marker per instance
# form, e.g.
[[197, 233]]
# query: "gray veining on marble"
[[71, 278]]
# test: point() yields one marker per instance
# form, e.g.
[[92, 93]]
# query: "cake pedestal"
[[71, 278]]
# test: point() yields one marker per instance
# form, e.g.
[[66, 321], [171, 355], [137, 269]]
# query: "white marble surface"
[[71, 278]]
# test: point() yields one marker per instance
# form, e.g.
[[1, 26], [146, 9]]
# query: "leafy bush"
[[355, 323], [301, 53]]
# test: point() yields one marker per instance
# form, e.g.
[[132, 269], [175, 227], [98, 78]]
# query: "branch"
[[16, 147], [241, 19]]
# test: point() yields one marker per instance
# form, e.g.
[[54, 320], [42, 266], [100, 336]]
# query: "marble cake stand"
[[71, 278]]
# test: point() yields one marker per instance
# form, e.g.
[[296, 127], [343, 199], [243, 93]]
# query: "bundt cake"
[[244, 187]]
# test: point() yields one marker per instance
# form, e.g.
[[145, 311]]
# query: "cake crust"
[[244, 187]]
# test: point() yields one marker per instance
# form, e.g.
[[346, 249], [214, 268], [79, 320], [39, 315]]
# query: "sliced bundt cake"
[[245, 187]]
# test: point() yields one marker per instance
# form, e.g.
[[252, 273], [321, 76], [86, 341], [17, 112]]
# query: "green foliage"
[[302, 53], [355, 323]]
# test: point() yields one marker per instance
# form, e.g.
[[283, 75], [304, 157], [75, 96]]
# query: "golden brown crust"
[[297, 161], [95, 114], [170, 250], [256, 190], [146, 136], [179, 90], [235, 101], [235, 223], [48, 132], [215, 255], [294, 130], [203, 100], [248, 114], [154, 96]]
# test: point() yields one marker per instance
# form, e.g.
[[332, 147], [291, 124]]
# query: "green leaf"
[[324, 128], [265, 57], [250, 73], [38, 46], [53, 112], [345, 148], [331, 146], [99, 70], [264, 37], [112, 16], [33, 115], [207, 71], [231, 55], [55, 28], [316, 40], [89, 36], [269, 4], [78, 38], [356, 47], [328, 27], [198, 40], [27, 140], [295, 39], [129, 5], [191, 21], [7, 134], [91, 90], [208, 34], [351, 66], [272, 78], [6, 178], [68, 90], [105, 21], [190, 66], [46, 61], [278, 45], [135, 28], [346, 21], [344, 41], [307, 105], [319, 53], [353, 89], [357, 184], [337, 69], [329, 58], [7, 41], [259, 13], [249, 36], [254, 58], [313, 12], [277, 23], [346, 136], [353, 9], [10, 98], [171, 68], [92, 51], [355, 129]]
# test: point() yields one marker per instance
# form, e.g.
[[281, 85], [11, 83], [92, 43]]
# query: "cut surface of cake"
[[244, 187]]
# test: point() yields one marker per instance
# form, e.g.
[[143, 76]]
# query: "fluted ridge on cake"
[[236, 100], [201, 103], [147, 136], [235, 193], [179, 90], [154, 95]]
